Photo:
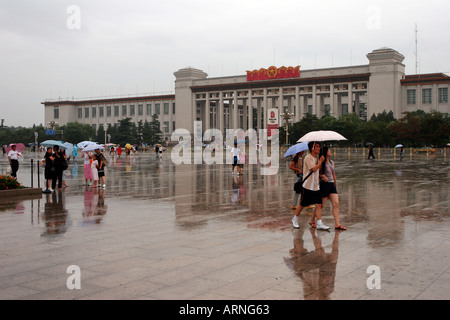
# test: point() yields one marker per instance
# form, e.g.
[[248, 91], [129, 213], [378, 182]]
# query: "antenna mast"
[[416, 46]]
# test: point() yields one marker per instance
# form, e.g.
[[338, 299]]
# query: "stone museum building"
[[243, 101]]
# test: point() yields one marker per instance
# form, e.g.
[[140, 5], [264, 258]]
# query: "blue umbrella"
[[296, 148], [52, 143]]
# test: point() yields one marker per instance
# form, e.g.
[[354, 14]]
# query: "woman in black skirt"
[[328, 185]]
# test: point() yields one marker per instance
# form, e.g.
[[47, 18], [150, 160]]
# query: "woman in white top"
[[235, 154], [87, 169], [94, 170], [13, 157]]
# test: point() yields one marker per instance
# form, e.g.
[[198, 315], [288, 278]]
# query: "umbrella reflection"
[[94, 206], [55, 214], [316, 268]]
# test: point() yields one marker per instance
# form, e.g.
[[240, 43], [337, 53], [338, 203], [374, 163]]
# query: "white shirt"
[[235, 152], [13, 155]]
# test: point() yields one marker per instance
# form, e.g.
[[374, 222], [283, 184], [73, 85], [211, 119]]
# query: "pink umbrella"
[[19, 147]]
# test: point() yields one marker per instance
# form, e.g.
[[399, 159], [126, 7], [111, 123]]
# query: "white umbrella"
[[84, 144], [398, 146], [321, 135], [93, 147]]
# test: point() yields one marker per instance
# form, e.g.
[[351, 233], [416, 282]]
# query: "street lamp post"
[[286, 116]]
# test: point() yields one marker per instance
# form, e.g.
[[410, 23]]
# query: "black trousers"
[[14, 168]]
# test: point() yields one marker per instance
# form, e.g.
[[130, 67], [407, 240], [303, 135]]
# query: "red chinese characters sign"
[[273, 73]]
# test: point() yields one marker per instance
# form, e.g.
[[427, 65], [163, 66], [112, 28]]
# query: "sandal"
[[312, 224], [340, 228]]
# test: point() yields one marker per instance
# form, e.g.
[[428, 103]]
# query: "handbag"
[[64, 165]]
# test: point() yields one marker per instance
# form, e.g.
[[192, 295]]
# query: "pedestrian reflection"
[[94, 206], [55, 214], [75, 171], [316, 268], [238, 194]]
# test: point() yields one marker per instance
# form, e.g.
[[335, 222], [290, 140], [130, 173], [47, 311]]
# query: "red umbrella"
[[19, 147]]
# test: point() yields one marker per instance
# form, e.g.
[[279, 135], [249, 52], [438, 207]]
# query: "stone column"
[[250, 110], [220, 112], [235, 111], [207, 113], [297, 105]]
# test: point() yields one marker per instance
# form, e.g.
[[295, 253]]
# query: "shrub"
[[9, 183]]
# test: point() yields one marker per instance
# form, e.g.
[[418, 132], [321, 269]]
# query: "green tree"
[[151, 132], [126, 132], [75, 132]]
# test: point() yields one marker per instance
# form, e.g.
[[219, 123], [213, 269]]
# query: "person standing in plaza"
[[13, 157], [65, 165], [101, 167], [94, 171], [371, 152], [311, 191], [59, 158], [235, 155], [87, 169], [50, 169], [297, 166], [75, 154], [328, 186]]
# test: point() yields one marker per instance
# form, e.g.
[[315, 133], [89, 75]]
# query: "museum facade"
[[244, 101]]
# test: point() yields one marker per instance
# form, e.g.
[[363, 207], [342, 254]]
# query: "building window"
[[173, 125], [108, 111], [94, 126], [344, 109], [157, 108], [140, 109], [411, 96], [166, 126], [173, 108], [101, 112], [327, 109], [94, 112], [426, 96], [56, 113], [310, 110], [86, 112], [149, 109], [132, 110], [124, 111], [80, 113], [443, 95], [116, 111], [166, 108]]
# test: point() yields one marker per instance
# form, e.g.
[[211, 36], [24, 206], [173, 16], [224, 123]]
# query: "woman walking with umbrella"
[[297, 166], [328, 185]]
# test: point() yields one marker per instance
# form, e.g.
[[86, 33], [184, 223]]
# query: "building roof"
[[109, 100], [282, 82], [428, 78]]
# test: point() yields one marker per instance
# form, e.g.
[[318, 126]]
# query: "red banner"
[[273, 73]]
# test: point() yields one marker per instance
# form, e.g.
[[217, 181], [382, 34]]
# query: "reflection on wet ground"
[[161, 231]]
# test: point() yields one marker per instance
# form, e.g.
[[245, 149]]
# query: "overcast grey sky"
[[97, 48]]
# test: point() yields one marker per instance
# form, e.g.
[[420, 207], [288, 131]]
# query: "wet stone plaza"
[[195, 231]]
